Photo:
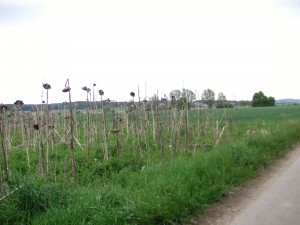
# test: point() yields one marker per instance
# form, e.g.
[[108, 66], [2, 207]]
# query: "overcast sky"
[[237, 47]]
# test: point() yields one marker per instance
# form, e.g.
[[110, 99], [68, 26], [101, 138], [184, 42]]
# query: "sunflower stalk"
[[71, 117], [5, 145]]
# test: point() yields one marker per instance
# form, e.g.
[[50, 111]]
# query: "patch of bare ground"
[[240, 198]]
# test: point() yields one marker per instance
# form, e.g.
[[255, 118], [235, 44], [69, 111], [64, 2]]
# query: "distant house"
[[200, 104]]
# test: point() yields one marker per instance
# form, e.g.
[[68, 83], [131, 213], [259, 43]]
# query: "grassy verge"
[[165, 193]]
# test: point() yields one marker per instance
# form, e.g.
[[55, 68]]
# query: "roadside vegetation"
[[146, 162]]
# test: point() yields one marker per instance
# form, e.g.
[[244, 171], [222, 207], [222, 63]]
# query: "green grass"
[[143, 189], [264, 113]]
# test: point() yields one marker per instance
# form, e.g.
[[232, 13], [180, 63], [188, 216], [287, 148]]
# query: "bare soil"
[[224, 212]]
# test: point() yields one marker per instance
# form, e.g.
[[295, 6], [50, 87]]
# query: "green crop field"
[[139, 164], [265, 113]]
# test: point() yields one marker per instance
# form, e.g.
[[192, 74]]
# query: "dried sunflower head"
[[85, 88], [36, 126], [101, 92], [3, 108], [133, 106], [66, 89], [47, 86], [19, 103]]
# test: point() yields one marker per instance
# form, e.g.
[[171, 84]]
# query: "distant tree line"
[[259, 100], [178, 98], [80, 105]]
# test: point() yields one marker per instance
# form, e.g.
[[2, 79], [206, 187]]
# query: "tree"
[[153, 98], [221, 100], [182, 102], [176, 93], [271, 101], [188, 94], [208, 96], [259, 100], [183, 98], [245, 103]]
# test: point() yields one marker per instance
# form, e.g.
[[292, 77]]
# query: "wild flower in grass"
[[115, 130], [264, 132], [250, 132]]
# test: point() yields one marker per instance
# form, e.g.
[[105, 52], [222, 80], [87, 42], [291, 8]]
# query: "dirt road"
[[271, 198]]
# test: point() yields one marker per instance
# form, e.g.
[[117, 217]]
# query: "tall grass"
[[126, 190]]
